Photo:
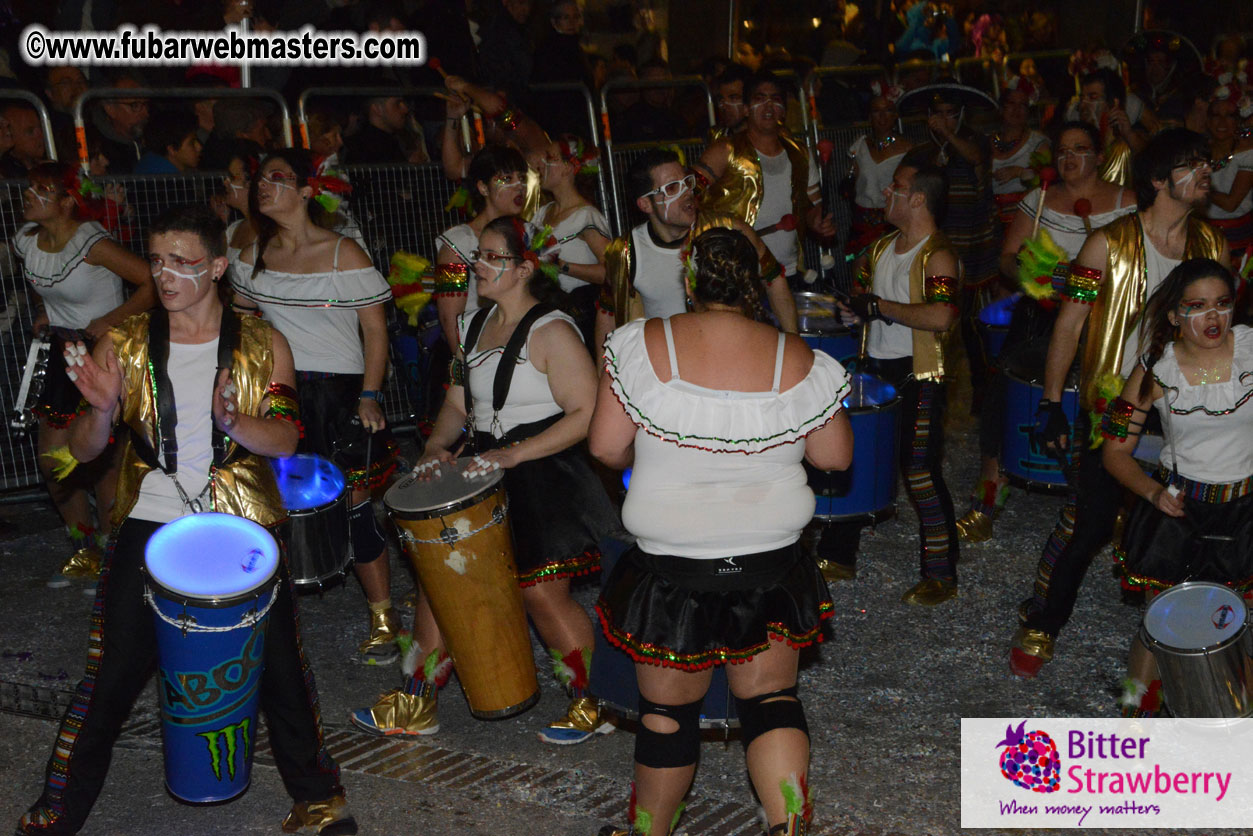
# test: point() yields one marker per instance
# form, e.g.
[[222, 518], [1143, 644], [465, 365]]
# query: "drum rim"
[[342, 497], [497, 484], [1151, 641], [160, 590], [242, 595], [319, 509]]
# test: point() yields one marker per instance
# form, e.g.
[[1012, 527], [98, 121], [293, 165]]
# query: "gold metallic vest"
[[1117, 167], [1120, 300], [245, 487], [929, 347], [739, 190]]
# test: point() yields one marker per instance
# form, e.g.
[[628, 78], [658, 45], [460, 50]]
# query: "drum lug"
[[498, 515], [449, 535]]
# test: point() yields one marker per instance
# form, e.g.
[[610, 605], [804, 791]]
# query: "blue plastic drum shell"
[[867, 490]]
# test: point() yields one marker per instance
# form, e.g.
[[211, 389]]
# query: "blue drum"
[[1027, 464], [820, 326], [315, 494], [993, 325], [211, 579], [612, 677], [867, 490]]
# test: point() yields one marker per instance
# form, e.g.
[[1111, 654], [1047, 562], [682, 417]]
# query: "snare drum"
[[315, 494], [211, 579], [612, 677], [1198, 634], [820, 326], [456, 532], [867, 489], [1025, 462]]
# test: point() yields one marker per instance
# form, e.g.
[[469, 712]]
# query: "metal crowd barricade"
[[617, 161], [593, 131], [354, 92], [45, 122], [80, 105]]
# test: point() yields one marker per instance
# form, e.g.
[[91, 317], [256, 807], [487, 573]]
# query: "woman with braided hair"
[[714, 410], [1194, 520], [558, 510], [76, 272]]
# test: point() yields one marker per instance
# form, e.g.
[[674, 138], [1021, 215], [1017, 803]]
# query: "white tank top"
[[891, 340], [658, 274], [872, 177]]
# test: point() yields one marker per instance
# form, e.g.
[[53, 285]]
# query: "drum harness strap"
[[166, 412], [504, 371]]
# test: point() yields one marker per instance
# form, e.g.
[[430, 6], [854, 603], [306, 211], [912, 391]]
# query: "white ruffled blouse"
[[687, 497]]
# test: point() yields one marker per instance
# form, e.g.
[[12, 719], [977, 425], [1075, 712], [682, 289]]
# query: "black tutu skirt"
[[332, 429], [1212, 542], [558, 512], [693, 614], [60, 402]]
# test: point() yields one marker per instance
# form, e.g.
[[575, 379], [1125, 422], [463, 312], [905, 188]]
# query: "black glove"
[[1051, 424], [866, 306]]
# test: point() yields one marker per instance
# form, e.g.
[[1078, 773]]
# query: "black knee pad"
[[663, 750], [367, 540], [767, 712]]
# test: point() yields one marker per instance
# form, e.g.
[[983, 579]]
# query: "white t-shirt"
[[530, 396], [872, 177], [776, 201], [1210, 424], [1068, 231], [462, 240], [1222, 181], [717, 473], [571, 247], [316, 312], [1157, 266], [192, 375], [890, 340], [73, 291], [658, 274]]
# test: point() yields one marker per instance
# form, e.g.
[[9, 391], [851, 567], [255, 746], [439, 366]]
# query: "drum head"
[[306, 481], [211, 556], [1025, 361], [448, 491], [866, 390], [1195, 615], [816, 314]]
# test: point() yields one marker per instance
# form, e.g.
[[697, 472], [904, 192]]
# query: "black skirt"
[[1212, 542], [332, 429], [693, 614], [558, 509]]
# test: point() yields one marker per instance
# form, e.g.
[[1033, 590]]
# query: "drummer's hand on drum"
[[225, 401], [1052, 427], [1169, 504], [428, 466], [501, 459], [100, 386], [371, 414], [847, 318]]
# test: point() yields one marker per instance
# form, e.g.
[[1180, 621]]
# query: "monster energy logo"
[[227, 735]]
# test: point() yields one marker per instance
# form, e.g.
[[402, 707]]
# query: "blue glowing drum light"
[[315, 494], [211, 579]]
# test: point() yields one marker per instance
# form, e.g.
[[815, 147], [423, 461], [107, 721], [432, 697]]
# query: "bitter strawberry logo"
[[1030, 759]]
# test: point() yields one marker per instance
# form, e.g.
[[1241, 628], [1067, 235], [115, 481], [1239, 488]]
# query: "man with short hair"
[[1103, 103], [227, 382], [910, 280], [121, 124], [28, 148], [237, 121], [650, 118], [730, 108], [62, 87], [644, 270], [173, 143], [761, 174], [378, 141], [1119, 267]]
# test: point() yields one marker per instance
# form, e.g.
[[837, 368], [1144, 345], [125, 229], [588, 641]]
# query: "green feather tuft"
[[793, 797], [1037, 259]]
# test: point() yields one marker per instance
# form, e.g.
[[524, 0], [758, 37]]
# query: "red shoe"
[[1030, 651], [1024, 665]]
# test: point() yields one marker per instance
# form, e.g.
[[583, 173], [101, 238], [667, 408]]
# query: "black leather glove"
[[866, 306], [1051, 424]]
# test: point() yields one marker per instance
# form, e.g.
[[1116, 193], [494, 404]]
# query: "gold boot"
[[930, 592], [327, 818], [1031, 651], [975, 526], [399, 713], [835, 572], [83, 564], [582, 720], [380, 648]]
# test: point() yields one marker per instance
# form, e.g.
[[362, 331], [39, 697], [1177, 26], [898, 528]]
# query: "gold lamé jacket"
[[1122, 294], [1117, 166], [245, 487], [929, 347], [739, 190]]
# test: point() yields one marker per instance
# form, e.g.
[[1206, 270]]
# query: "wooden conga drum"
[[455, 530]]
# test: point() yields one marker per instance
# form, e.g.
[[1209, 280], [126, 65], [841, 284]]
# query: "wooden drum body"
[[456, 532]]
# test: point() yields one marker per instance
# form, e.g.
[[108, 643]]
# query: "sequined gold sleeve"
[[942, 289], [284, 405], [1083, 284], [451, 280]]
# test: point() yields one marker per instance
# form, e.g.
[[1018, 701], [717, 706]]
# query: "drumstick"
[[1047, 176]]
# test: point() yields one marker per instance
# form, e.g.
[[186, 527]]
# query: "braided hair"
[[1157, 330], [723, 268]]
